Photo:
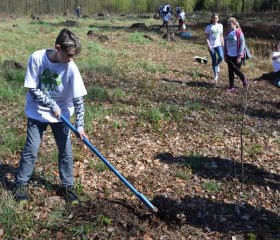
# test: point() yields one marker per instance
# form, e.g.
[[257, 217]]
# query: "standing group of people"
[[231, 49], [166, 13]]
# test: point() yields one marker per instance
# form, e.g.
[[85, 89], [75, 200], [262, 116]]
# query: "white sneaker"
[[218, 69], [216, 78]]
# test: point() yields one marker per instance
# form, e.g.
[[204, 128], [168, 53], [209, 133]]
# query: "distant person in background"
[[166, 21], [182, 18], [166, 9], [215, 43], [178, 10], [78, 11], [234, 52], [160, 11], [276, 64]]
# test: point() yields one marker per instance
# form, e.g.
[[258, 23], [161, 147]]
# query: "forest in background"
[[89, 7]]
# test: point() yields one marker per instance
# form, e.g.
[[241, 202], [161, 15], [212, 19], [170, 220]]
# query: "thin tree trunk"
[[243, 6]]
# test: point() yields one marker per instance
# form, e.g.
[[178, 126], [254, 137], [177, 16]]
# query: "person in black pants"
[[234, 52]]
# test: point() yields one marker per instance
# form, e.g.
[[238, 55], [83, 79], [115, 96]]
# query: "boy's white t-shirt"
[[276, 62], [60, 81], [214, 31]]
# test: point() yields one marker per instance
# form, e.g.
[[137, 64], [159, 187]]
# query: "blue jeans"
[[35, 131], [215, 63]]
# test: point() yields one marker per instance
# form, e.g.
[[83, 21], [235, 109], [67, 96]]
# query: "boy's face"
[[65, 56]]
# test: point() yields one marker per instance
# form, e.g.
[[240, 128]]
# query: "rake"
[[110, 166]]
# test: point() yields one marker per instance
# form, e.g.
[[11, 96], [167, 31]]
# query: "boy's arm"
[[43, 100], [80, 112]]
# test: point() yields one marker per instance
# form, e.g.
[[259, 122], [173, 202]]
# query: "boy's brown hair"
[[68, 40]]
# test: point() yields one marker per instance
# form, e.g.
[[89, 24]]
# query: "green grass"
[[184, 175], [254, 150], [98, 94], [195, 162], [137, 38], [151, 67], [10, 140], [193, 105], [99, 59], [98, 166], [212, 186], [11, 85], [14, 219], [152, 115]]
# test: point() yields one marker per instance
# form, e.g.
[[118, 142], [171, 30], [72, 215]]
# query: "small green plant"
[[83, 230], [185, 175], [148, 66], [251, 236], [100, 94], [152, 115], [118, 94], [55, 218], [192, 105], [195, 162], [118, 124], [196, 74], [97, 166], [138, 37], [234, 118], [212, 186], [176, 113], [104, 220], [79, 187], [255, 150], [151, 67], [172, 112]]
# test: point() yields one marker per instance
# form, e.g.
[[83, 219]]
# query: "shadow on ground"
[[220, 168], [217, 216]]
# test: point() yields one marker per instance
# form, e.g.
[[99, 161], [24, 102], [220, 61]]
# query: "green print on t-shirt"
[[215, 32], [50, 80], [231, 40]]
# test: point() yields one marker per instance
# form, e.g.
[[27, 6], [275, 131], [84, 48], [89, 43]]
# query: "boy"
[[55, 88]]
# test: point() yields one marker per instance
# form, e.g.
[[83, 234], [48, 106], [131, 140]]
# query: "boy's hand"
[[57, 113]]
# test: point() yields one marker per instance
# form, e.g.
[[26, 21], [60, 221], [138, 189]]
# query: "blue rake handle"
[[110, 166]]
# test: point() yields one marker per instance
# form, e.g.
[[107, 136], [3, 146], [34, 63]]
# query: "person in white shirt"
[[55, 88], [182, 18], [215, 43], [166, 20], [276, 64]]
